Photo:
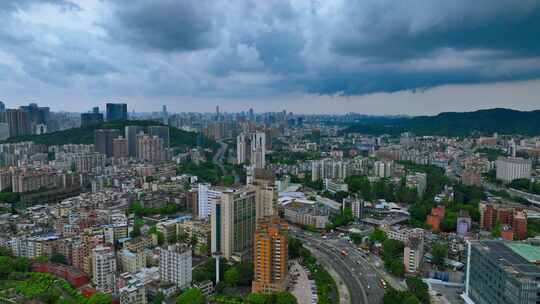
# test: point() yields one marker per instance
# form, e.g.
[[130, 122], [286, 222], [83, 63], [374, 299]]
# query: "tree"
[[256, 298], [232, 276], [59, 258], [21, 264], [191, 296], [285, 298], [377, 236], [356, 238], [439, 252], [245, 271], [496, 230], [99, 298], [158, 298], [391, 255], [5, 266], [294, 246], [418, 288]]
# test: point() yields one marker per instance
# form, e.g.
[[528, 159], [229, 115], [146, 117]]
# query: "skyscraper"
[[164, 115], [91, 119], [267, 193], [103, 140], [150, 148], [233, 222], [104, 269], [175, 265], [243, 152], [38, 117], [207, 197], [161, 132], [18, 122], [2, 112], [120, 147], [131, 138], [501, 272], [270, 256], [116, 111], [258, 150]]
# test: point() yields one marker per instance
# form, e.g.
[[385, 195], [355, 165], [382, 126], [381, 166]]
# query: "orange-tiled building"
[[270, 256], [435, 218]]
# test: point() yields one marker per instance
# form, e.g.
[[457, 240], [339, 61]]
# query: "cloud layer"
[[251, 49]]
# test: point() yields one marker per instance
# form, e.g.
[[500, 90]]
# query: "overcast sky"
[[368, 56]]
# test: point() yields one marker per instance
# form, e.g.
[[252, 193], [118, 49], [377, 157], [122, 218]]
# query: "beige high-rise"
[[233, 220]]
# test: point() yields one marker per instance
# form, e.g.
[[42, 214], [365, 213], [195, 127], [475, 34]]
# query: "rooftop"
[[529, 252], [510, 258]]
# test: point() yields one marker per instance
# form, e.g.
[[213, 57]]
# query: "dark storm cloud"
[[224, 48], [507, 26], [167, 25]]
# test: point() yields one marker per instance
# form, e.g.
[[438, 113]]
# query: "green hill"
[[503, 121], [178, 138]]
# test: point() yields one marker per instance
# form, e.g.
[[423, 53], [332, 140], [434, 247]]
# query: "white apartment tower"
[[512, 168], [242, 149], [207, 198], [258, 150], [175, 265], [104, 269]]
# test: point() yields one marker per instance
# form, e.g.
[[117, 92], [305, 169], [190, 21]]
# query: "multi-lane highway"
[[363, 283]]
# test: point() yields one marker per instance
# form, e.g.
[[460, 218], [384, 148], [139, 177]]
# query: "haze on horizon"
[[373, 57]]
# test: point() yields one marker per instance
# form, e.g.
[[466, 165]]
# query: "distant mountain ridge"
[[488, 121]]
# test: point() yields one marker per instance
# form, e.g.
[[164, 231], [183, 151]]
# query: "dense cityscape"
[[269, 152], [261, 208]]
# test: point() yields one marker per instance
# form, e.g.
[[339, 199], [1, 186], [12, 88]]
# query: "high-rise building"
[[120, 147], [18, 121], [2, 112], [207, 197], [175, 265], [164, 115], [267, 194], [233, 220], [270, 256], [116, 111], [512, 168], [413, 253], [91, 119], [383, 169], [104, 269], [243, 152], [4, 130], [131, 133], [103, 140], [329, 168], [258, 150], [161, 132], [150, 148], [501, 272], [38, 117]]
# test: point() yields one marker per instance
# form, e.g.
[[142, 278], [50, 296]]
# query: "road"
[[361, 280], [218, 157]]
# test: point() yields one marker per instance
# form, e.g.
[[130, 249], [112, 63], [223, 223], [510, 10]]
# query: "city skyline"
[[367, 57]]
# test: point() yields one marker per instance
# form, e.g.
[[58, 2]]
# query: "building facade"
[[270, 256], [175, 265], [233, 222]]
